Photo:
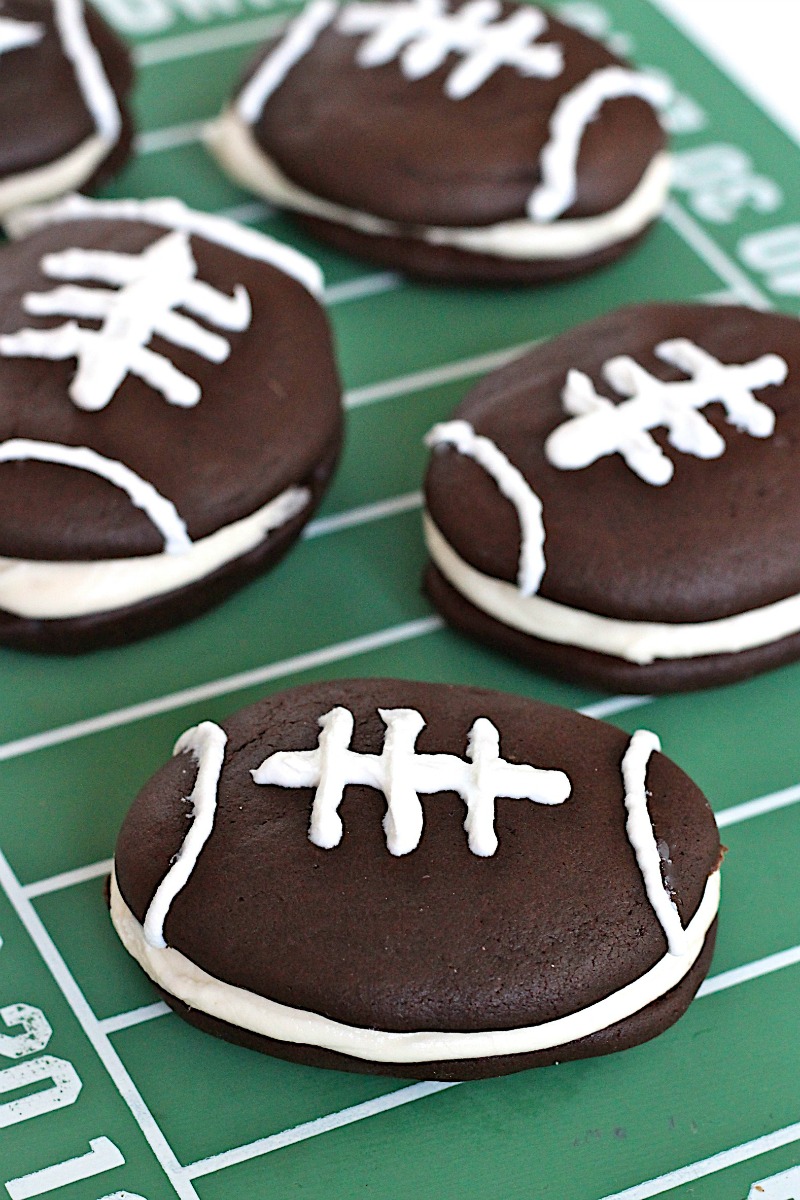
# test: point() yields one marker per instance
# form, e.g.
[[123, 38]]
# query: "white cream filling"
[[231, 141], [177, 975], [60, 590], [54, 178], [639, 642]]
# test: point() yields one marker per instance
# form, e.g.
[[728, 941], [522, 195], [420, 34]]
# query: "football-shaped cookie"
[[474, 140], [64, 78], [621, 505], [169, 416], [420, 880]]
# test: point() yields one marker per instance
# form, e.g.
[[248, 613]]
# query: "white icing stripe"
[[15, 35], [642, 838], [162, 512], [512, 484], [300, 36], [151, 286], [571, 117], [639, 642], [206, 742], [231, 142], [402, 775], [89, 71], [60, 590], [183, 979], [424, 33], [172, 214], [600, 428]]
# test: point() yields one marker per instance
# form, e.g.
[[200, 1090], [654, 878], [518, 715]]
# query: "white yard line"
[[615, 704], [135, 1016], [170, 137], [363, 287], [208, 41], [91, 1028], [714, 256], [753, 970], [221, 687], [710, 1166], [434, 376], [248, 213], [754, 808], [309, 1129], [363, 514], [68, 879]]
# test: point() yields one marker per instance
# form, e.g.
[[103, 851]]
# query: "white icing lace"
[[402, 775], [599, 427], [151, 286], [423, 33], [14, 35]]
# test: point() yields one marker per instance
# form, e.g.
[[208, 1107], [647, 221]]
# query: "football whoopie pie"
[[470, 141], [620, 505], [169, 416], [419, 880], [64, 78]]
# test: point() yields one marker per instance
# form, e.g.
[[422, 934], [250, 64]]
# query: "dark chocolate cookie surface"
[[439, 132], [626, 491], [64, 79], [418, 879], [168, 404]]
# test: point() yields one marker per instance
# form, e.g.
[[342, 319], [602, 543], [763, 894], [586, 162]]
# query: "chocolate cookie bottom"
[[76, 635], [447, 264], [641, 1027], [604, 670]]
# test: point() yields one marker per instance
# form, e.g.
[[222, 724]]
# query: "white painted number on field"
[[682, 113], [593, 20], [35, 1035], [721, 182], [776, 255], [102, 1156], [156, 16], [785, 1186], [64, 1088]]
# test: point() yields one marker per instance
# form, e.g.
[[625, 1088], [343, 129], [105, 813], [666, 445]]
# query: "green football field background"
[[105, 1093]]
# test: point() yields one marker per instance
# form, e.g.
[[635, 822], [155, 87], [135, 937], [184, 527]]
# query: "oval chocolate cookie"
[[64, 78], [621, 506], [420, 880], [169, 416], [458, 141]]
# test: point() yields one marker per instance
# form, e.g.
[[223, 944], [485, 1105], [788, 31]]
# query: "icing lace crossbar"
[[402, 775], [423, 33], [599, 427], [151, 286], [14, 35]]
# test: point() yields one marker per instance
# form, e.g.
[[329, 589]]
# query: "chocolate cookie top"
[[326, 867], [422, 112], [63, 79], [641, 467], [163, 374]]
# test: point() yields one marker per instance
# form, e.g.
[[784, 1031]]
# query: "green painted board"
[[135, 1104]]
